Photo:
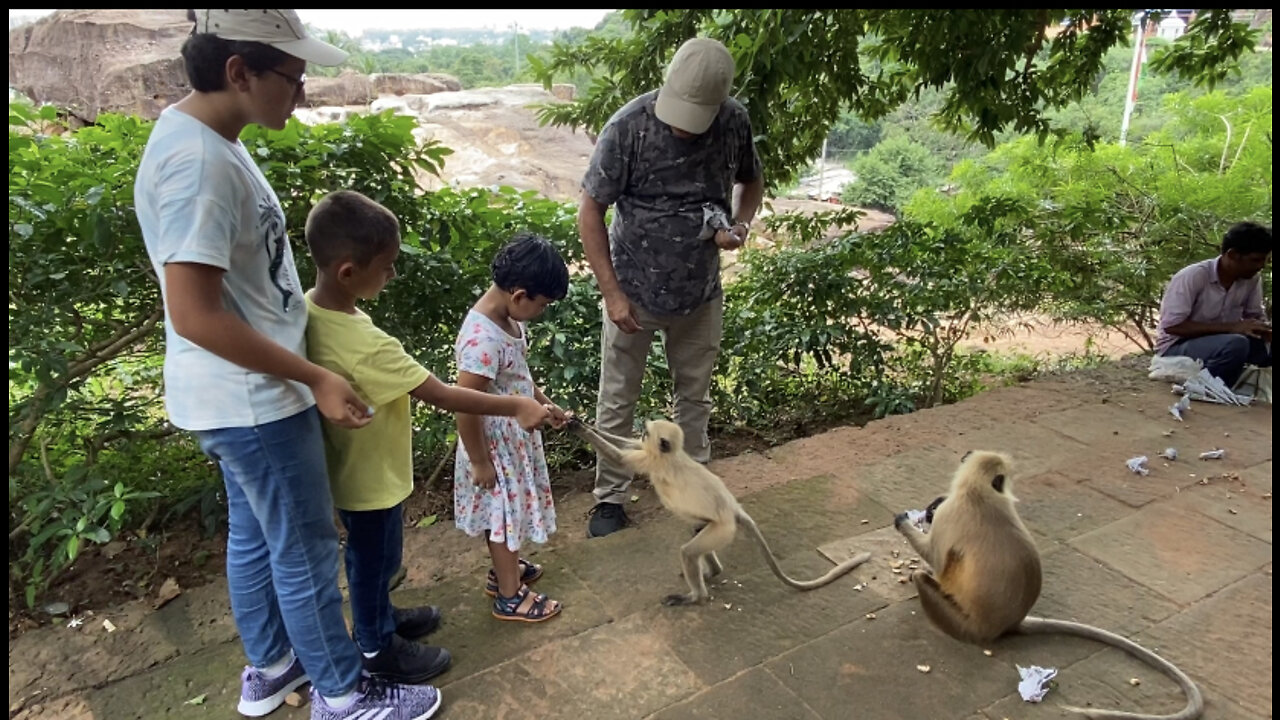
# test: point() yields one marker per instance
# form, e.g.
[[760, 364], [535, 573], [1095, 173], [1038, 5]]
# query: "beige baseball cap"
[[281, 29], [697, 84]]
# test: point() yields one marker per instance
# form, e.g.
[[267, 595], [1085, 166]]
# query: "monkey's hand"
[[900, 520]]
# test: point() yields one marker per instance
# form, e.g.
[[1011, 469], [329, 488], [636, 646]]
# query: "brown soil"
[[131, 568]]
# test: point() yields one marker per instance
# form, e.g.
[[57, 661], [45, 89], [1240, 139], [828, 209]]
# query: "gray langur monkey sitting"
[[984, 574], [691, 491]]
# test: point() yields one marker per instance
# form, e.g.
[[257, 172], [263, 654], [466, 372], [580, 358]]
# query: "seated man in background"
[[1212, 310]]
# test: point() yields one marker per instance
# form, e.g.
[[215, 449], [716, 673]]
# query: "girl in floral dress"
[[501, 487]]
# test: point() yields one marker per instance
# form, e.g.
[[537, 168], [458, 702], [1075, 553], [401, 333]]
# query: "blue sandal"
[[529, 574], [526, 606]]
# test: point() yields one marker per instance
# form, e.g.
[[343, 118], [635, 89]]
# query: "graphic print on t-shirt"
[[274, 241]]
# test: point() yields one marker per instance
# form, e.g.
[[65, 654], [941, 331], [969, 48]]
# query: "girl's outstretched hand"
[[559, 418]]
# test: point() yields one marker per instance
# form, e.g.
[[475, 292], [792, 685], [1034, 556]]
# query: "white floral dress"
[[520, 506]]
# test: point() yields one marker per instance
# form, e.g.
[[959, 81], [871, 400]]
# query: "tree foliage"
[[1118, 221], [798, 69], [891, 172]]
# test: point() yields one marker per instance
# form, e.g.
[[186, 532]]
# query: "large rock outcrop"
[[127, 61], [352, 88], [494, 133], [92, 61]]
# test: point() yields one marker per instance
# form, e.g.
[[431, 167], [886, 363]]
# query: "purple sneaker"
[[260, 694], [382, 700]]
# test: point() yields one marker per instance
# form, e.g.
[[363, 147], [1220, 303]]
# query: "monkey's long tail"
[[832, 574], [1195, 703]]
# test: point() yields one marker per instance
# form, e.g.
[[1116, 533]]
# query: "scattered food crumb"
[[110, 626], [1232, 511], [870, 616], [295, 699], [923, 668], [1135, 682], [988, 653]]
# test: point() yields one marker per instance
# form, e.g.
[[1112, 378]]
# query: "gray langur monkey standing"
[[694, 493], [984, 574]]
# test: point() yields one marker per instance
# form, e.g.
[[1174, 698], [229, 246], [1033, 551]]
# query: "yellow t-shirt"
[[370, 468]]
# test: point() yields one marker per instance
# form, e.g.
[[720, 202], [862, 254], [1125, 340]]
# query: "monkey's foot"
[[682, 599]]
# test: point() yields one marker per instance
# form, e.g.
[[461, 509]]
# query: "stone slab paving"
[[1180, 560]]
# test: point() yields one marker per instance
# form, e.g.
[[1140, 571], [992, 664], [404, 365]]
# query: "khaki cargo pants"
[[691, 343]]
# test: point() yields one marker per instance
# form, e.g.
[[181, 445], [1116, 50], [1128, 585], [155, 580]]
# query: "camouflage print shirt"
[[658, 183]]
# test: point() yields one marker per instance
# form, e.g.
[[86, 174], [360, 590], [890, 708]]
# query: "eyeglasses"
[[295, 82]]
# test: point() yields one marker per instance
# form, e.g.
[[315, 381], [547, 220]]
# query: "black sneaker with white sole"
[[407, 662]]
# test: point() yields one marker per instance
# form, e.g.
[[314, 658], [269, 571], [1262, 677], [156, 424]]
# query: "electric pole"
[[1131, 99], [515, 39]]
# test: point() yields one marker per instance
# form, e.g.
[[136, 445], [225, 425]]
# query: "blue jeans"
[[282, 548], [375, 539], [1224, 355]]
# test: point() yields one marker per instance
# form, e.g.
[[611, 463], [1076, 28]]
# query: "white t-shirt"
[[202, 199]]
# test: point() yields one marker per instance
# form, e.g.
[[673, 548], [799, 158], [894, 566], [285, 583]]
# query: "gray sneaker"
[[382, 700], [260, 695]]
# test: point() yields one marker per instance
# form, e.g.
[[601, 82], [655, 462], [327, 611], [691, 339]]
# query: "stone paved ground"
[[1179, 560]]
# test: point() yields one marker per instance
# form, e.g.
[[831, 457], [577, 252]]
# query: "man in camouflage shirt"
[[680, 168]]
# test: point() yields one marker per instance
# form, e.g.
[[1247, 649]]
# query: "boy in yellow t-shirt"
[[355, 242]]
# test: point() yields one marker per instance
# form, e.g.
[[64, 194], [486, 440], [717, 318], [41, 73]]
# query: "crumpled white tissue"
[[917, 518], [1034, 679], [1138, 465]]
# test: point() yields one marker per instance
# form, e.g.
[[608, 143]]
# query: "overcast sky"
[[353, 22]]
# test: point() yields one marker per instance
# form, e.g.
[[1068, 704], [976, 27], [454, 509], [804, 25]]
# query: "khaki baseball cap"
[[281, 29], [697, 84]]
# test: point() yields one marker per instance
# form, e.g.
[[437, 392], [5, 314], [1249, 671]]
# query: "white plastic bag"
[[1173, 369]]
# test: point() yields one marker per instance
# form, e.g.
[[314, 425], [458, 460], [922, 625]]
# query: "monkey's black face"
[[997, 482], [933, 506]]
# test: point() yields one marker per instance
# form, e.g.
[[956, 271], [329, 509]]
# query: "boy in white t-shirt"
[[236, 374]]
